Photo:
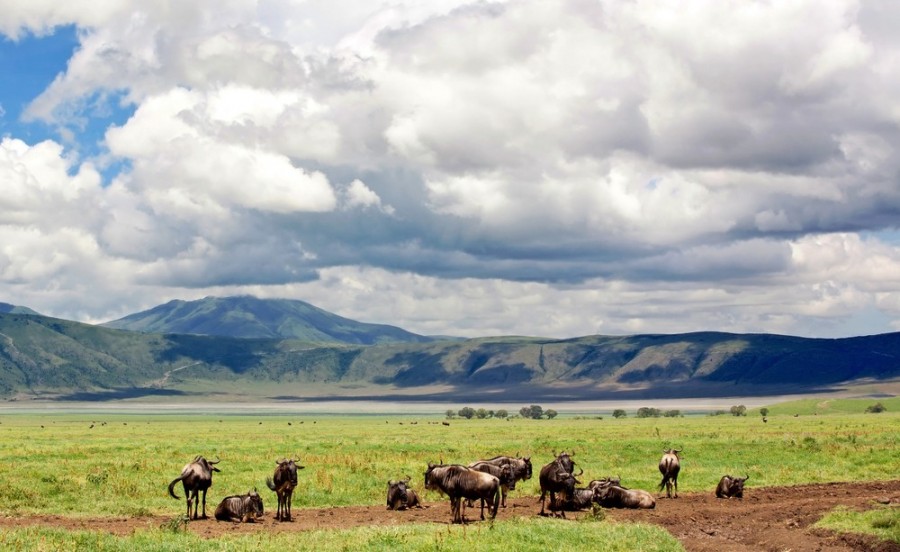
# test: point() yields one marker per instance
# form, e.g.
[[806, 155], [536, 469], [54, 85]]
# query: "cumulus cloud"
[[550, 168]]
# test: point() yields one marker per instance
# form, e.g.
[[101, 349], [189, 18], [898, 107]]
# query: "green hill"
[[13, 309], [41, 356], [260, 318]]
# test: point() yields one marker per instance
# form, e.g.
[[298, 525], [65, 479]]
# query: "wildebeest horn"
[[580, 472], [748, 477], [390, 482], [407, 479], [679, 450], [216, 462]]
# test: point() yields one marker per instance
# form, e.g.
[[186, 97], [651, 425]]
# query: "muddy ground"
[[773, 519]]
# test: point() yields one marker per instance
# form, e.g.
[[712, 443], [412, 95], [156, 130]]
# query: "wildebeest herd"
[[487, 481]]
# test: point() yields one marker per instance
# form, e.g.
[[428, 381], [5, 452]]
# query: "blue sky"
[[458, 168]]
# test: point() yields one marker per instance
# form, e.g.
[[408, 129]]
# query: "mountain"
[[250, 317], [42, 356], [13, 309]]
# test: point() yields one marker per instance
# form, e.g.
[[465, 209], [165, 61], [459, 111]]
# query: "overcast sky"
[[550, 168]]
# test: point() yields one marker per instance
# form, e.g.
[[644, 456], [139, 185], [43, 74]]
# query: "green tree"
[[501, 413], [647, 412], [450, 414], [481, 413], [875, 408], [536, 411], [466, 412], [739, 410], [619, 413], [672, 413], [550, 413], [525, 412], [764, 411]]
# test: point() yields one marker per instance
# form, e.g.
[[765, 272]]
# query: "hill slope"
[[14, 309], [260, 318], [47, 355]]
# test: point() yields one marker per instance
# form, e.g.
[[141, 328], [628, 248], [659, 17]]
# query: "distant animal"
[[614, 496], [283, 482], [400, 496], [557, 477], [459, 482], [731, 487], [669, 466], [196, 478], [521, 471], [240, 508]]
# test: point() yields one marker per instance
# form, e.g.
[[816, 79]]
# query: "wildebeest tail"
[[270, 484], [172, 487], [496, 503]]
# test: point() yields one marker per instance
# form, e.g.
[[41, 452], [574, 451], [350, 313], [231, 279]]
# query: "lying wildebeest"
[[669, 466], [731, 487], [400, 496], [558, 477], [196, 478], [459, 482], [240, 508], [613, 496], [521, 471], [283, 483]]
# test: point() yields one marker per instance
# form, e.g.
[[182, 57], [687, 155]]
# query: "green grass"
[[810, 407], [523, 535], [122, 468], [68, 468], [882, 522]]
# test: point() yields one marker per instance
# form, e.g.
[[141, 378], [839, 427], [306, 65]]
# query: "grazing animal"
[[669, 466], [503, 473], [459, 482], [400, 496], [283, 483], [613, 496], [731, 487], [521, 471], [557, 477], [240, 508], [196, 478]]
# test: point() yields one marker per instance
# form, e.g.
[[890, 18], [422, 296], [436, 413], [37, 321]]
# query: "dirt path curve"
[[773, 519]]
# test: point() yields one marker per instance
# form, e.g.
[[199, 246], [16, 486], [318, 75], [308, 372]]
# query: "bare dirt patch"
[[767, 519]]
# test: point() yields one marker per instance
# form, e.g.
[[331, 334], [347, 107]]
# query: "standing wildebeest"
[[196, 477], [521, 471], [283, 483], [669, 466], [400, 496], [558, 477], [731, 487], [240, 508], [502, 473], [613, 496], [459, 482]]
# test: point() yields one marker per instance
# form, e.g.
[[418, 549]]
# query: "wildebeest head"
[[207, 465], [254, 503], [526, 463], [564, 460], [286, 470], [397, 493]]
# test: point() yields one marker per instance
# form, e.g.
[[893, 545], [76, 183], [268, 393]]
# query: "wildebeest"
[[196, 478], [614, 496], [240, 508], [521, 471], [731, 487], [558, 477], [669, 466], [400, 496], [283, 483], [502, 472], [459, 482]]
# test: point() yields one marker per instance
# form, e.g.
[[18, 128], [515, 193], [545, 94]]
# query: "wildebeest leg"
[[675, 481], [288, 497], [504, 489], [496, 504], [543, 494], [204, 505]]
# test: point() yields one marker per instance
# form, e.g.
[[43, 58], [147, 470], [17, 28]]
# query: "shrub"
[[875, 408], [619, 413]]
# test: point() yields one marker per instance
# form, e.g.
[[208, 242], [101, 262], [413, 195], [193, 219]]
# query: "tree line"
[[533, 412]]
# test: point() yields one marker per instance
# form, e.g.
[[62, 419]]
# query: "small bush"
[[875, 408]]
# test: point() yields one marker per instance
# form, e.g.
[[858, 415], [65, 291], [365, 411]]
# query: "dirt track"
[[768, 519]]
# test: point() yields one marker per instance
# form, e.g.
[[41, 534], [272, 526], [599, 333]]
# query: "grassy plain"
[[59, 464]]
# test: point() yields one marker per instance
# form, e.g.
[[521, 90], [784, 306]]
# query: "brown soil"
[[776, 519]]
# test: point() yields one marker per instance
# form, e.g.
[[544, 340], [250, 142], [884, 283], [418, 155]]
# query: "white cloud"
[[548, 168]]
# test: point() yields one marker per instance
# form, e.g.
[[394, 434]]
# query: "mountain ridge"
[[50, 357]]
